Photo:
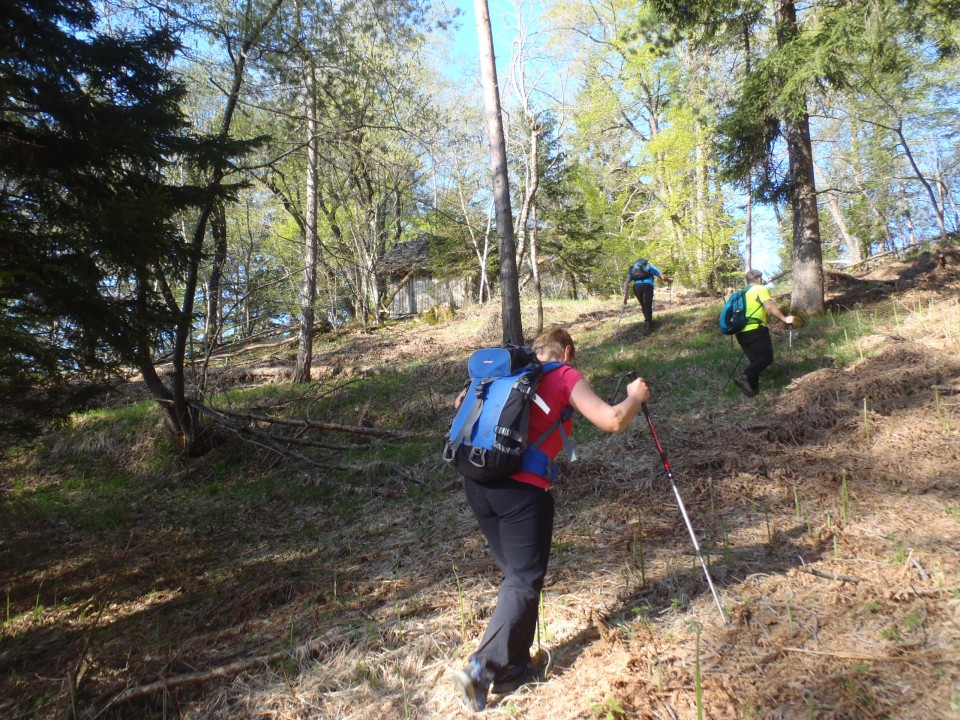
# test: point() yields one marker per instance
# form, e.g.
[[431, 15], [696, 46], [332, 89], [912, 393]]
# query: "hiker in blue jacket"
[[642, 275]]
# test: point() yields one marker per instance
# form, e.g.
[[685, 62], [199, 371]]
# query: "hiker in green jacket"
[[755, 339]]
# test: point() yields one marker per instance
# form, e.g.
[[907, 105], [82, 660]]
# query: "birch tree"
[[509, 287]]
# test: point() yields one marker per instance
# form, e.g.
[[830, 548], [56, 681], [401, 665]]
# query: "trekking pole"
[[683, 510], [617, 331], [628, 375], [790, 349], [739, 360]]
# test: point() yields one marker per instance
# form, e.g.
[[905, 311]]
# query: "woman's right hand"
[[638, 390]]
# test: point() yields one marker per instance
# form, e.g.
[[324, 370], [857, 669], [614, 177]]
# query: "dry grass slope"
[[830, 513]]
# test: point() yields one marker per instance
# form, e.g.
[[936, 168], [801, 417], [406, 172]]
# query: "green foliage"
[[609, 709], [643, 121], [86, 210], [571, 240]]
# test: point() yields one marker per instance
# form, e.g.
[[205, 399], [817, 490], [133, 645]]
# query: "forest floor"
[[242, 584]]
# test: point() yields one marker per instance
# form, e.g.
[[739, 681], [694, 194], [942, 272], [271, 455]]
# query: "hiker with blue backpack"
[[641, 277], [523, 399], [754, 337]]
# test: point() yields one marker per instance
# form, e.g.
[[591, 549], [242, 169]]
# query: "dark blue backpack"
[[733, 317], [488, 437], [640, 270]]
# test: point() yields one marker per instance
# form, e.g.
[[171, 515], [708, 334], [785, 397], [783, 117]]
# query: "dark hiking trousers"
[[758, 347], [517, 521], [644, 294]]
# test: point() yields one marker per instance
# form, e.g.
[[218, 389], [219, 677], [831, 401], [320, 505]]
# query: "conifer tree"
[[88, 127]]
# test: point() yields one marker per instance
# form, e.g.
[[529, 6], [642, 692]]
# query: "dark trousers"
[[758, 347], [644, 294], [517, 521]]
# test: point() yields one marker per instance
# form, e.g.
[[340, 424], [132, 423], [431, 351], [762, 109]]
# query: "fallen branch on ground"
[[878, 658], [262, 438], [926, 591], [830, 576], [336, 427], [301, 652], [946, 389]]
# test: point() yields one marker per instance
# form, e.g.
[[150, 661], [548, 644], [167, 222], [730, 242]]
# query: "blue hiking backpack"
[[733, 317], [488, 438]]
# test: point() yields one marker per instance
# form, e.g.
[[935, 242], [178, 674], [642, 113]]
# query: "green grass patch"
[[97, 471]]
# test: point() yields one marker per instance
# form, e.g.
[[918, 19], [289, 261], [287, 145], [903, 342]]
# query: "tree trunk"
[[945, 196], [807, 294], [748, 228], [701, 180], [836, 212], [530, 192], [908, 216], [308, 291], [183, 419], [534, 268], [214, 323], [509, 288], [174, 398], [481, 253], [937, 209], [214, 319], [748, 231]]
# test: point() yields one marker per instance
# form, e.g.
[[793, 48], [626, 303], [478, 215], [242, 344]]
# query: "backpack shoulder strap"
[[746, 299], [565, 415]]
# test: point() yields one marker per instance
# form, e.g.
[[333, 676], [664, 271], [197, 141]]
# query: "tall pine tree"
[[88, 126]]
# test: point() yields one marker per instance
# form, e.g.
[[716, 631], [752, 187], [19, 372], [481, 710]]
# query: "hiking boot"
[[471, 687], [744, 384], [515, 677]]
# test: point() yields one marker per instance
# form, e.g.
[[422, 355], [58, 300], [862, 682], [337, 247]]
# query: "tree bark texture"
[[308, 291], [509, 286]]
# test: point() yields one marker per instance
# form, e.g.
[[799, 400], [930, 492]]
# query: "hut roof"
[[406, 256]]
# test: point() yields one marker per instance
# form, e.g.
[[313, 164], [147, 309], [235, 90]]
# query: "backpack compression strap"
[[469, 421]]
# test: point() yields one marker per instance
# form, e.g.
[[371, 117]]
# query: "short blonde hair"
[[551, 342]]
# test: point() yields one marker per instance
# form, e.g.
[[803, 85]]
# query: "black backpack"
[[640, 270], [488, 438]]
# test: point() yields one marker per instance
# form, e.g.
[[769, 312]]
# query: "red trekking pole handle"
[[656, 441]]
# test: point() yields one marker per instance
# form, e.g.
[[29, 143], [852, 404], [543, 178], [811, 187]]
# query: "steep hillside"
[[246, 584]]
